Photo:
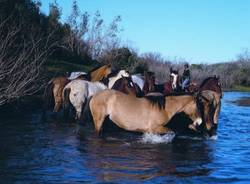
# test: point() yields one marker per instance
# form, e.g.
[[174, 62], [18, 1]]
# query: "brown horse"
[[97, 74], [209, 83], [210, 90], [149, 83], [213, 84], [144, 83], [211, 104], [54, 91], [56, 85], [125, 85], [141, 114]]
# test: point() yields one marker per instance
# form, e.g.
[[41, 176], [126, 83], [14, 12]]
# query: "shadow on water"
[[54, 151]]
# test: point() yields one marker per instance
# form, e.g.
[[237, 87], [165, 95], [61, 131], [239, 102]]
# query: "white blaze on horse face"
[[112, 80], [174, 84], [124, 73], [195, 124]]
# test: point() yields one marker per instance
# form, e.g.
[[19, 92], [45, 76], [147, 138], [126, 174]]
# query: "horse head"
[[99, 73], [192, 110], [174, 78], [209, 105], [107, 69], [211, 83], [125, 85], [123, 73]]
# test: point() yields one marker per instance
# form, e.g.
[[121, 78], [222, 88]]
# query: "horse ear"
[[171, 69]]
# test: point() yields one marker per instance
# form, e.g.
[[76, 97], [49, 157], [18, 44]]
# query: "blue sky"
[[200, 31]]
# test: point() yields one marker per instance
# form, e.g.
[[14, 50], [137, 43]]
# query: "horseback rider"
[[185, 77]]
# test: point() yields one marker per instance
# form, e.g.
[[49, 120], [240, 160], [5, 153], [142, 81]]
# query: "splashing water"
[[214, 137], [156, 138]]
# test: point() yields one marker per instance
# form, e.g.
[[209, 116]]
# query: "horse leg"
[[86, 112], [160, 130], [98, 119], [78, 111], [58, 104]]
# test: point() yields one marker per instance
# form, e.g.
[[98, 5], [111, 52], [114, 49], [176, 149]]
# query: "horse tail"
[[66, 102], [48, 95]]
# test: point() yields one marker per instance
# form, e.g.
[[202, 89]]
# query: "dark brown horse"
[[211, 94], [145, 83], [212, 86], [149, 83], [211, 83], [127, 86]]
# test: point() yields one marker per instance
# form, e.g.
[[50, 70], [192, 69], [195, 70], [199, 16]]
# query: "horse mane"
[[113, 73], [149, 73], [117, 84], [179, 94], [98, 67], [95, 69], [100, 84], [104, 81], [206, 80], [158, 101]]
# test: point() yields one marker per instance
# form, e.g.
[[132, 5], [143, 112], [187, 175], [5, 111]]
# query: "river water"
[[33, 150]]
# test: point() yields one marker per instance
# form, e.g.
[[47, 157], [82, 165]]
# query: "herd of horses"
[[135, 102]]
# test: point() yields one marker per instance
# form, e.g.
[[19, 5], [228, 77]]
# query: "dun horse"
[[141, 114]]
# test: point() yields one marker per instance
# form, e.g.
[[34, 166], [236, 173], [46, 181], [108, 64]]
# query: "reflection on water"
[[52, 151]]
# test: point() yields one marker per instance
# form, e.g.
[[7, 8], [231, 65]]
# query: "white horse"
[[77, 92], [74, 75], [113, 79], [138, 79]]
